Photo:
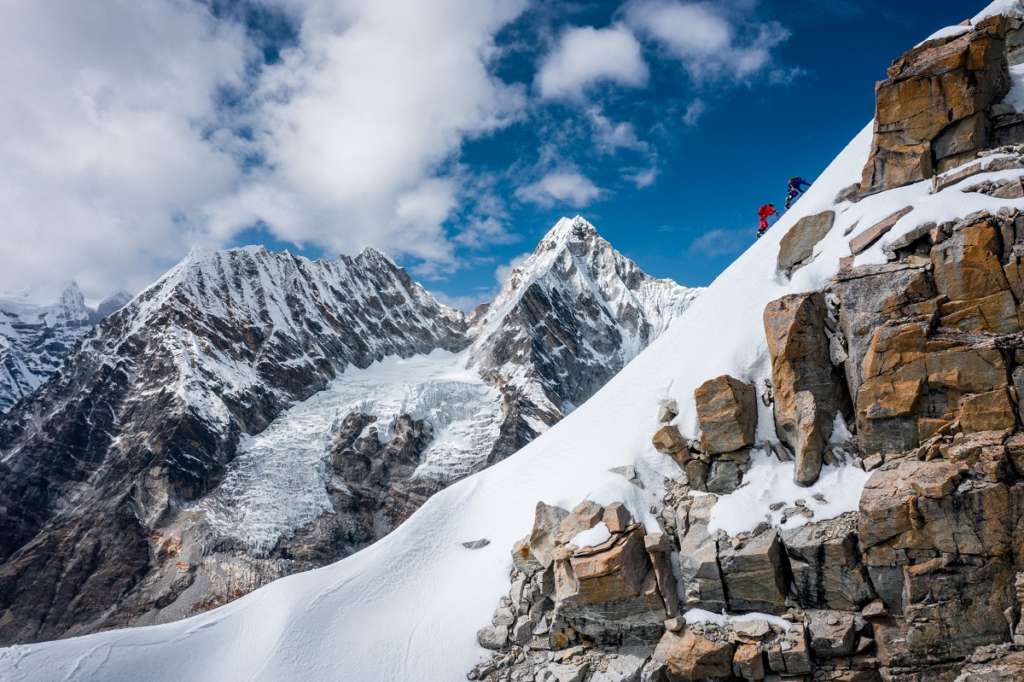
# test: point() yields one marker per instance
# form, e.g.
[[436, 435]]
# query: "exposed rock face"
[[935, 109], [797, 246], [917, 355], [825, 561], [805, 385]]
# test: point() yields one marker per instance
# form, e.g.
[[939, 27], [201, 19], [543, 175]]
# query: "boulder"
[[699, 574], [616, 517], [995, 664], [933, 111], [863, 241], [805, 385], [755, 574], [748, 662], [546, 522], [797, 246], [668, 441], [725, 474], [690, 656], [584, 516], [492, 637], [968, 267], [667, 411], [727, 412], [825, 562], [832, 633]]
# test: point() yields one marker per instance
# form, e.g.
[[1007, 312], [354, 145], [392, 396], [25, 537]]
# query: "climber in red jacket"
[[764, 213]]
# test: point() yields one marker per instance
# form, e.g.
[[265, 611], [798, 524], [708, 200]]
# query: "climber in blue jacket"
[[797, 186]]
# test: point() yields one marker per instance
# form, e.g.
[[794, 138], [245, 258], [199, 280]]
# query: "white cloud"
[[711, 41], [610, 136], [643, 178], [119, 154], [358, 124], [111, 138], [585, 56], [694, 112], [565, 186]]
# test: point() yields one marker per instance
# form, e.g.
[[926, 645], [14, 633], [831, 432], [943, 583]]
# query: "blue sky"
[[699, 214], [451, 134]]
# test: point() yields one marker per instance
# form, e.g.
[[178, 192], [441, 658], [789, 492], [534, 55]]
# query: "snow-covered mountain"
[[254, 414], [408, 607], [35, 339]]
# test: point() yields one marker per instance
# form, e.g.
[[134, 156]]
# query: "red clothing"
[[764, 213]]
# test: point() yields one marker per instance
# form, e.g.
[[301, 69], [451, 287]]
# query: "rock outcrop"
[[807, 390], [937, 107]]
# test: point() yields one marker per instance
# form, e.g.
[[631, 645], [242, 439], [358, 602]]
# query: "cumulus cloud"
[[357, 124], [135, 130], [584, 56], [566, 186], [711, 41], [111, 138]]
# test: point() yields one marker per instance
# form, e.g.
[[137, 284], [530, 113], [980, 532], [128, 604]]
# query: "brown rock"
[[805, 386], [668, 441], [727, 411], [584, 516], [933, 111], [797, 246], [690, 656], [967, 265], [616, 517], [990, 411], [748, 662], [865, 239]]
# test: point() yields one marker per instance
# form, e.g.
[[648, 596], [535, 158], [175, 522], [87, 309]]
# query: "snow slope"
[[407, 607]]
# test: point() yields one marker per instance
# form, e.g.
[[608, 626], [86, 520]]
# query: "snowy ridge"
[[613, 310]]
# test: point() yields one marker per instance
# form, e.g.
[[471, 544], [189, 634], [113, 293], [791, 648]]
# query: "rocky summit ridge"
[[907, 365], [144, 481]]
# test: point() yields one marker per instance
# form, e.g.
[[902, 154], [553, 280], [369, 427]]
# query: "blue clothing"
[[798, 185]]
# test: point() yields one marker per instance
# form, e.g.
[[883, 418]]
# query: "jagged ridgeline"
[[254, 414]]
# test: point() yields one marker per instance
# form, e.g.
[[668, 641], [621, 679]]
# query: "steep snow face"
[[408, 606], [571, 316], [34, 340]]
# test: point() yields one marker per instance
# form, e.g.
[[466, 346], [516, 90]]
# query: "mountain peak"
[[576, 229]]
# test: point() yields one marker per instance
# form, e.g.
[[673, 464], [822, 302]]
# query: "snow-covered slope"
[[407, 608], [35, 339]]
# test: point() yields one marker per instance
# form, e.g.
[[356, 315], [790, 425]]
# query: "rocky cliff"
[[254, 414], [908, 366]]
